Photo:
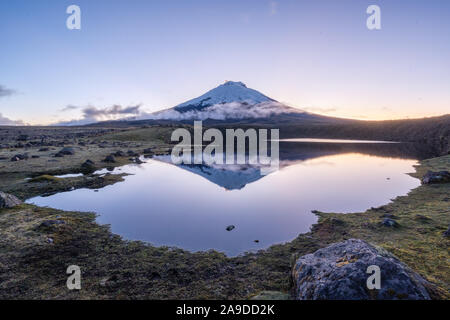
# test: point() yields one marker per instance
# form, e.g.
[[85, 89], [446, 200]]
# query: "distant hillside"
[[434, 132]]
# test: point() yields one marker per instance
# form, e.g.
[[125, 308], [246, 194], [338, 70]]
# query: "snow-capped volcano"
[[228, 92], [229, 101]]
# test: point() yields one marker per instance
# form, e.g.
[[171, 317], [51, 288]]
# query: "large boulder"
[[339, 272], [8, 200]]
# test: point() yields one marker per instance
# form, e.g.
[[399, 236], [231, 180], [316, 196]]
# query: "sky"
[[149, 55]]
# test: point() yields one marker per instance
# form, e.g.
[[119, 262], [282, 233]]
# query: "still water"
[[191, 206]]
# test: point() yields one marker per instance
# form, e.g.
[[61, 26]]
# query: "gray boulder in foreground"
[[8, 200], [338, 272]]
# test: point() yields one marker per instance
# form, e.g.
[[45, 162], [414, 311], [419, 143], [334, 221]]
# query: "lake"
[[190, 206]]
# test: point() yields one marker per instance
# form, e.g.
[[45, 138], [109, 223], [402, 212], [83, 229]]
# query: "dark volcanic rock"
[[49, 223], [131, 153], [67, 151], [8, 200], [110, 159], [88, 165], [390, 223], [120, 154], [19, 157], [340, 272], [22, 137], [436, 177]]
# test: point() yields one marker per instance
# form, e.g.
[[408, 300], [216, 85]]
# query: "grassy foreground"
[[34, 257]]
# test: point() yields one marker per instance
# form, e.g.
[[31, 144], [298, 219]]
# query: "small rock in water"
[[256, 241], [230, 227]]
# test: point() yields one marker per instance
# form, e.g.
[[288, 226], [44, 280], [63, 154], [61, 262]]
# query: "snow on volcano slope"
[[229, 101], [228, 92]]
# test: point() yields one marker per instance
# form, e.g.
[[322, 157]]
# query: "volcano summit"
[[229, 101], [228, 92]]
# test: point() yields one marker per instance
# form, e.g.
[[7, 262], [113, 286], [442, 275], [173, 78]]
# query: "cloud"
[[233, 110], [4, 121], [4, 92], [111, 112], [69, 107], [92, 114]]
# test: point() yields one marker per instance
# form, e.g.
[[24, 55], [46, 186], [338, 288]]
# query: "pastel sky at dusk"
[[316, 55]]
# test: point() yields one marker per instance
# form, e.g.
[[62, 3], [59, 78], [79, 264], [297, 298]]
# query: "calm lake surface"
[[191, 206]]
